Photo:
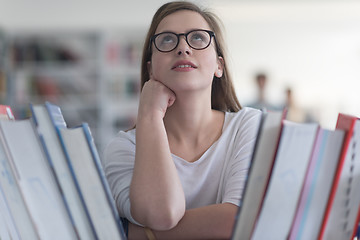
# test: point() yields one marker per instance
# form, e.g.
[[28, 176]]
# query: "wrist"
[[150, 116]]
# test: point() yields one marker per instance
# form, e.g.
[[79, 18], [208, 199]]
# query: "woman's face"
[[184, 68]]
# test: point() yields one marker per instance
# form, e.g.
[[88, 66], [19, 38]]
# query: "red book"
[[342, 211], [6, 113]]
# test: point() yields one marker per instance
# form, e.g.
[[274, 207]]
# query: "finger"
[[172, 99]]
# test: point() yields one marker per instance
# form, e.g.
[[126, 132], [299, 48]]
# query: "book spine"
[[356, 232], [104, 182], [56, 115], [81, 196], [299, 218], [270, 172], [336, 180], [51, 165]]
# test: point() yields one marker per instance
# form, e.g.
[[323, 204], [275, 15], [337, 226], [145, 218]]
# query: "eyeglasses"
[[197, 39]]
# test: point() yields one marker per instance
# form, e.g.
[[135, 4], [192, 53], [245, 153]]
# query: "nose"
[[183, 47]]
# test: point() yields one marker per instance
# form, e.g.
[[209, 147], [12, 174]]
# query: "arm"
[[156, 194], [209, 222]]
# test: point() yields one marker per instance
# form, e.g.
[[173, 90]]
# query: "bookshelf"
[[2, 67], [120, 74], [92, 75]]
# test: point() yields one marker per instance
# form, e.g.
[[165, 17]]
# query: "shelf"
[[94, 76]]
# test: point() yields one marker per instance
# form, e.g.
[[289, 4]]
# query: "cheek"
[[156, 66], [211, 64]]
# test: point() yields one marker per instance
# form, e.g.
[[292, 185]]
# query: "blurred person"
[[294, 111], [180, 172], [261, 102]]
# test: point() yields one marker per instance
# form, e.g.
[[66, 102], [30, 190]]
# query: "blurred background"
[[85, 57]]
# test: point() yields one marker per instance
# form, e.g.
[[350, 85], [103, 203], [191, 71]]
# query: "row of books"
[[303, 182], [118, 52], [37, 51], [52, 185]]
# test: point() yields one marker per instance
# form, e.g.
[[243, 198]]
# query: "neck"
[[187, 115], [192, 126]]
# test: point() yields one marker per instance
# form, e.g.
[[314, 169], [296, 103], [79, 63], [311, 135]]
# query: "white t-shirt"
[[218, 176]]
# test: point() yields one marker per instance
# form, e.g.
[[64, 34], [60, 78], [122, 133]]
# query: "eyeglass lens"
[[167, 41]]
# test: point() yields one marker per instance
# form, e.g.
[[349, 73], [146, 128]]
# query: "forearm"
[[209, 222], [156, 194]]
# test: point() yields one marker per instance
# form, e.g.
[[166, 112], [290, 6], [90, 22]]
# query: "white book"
[[259, 172], [8, 228], [292, 158], [341, 219], [17, 223], [47, 117], [317, 184], [85, 164], [36, 181], [14, 210]]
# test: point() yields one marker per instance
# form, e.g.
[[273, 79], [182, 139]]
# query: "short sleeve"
[[243, 147]]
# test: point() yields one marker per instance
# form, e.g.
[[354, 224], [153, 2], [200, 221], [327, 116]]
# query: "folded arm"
[[209, 222]]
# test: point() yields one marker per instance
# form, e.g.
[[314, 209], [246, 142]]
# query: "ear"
[[149, 68], [220, 67]]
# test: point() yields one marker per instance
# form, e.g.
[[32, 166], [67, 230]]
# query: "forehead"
[[182, 21]]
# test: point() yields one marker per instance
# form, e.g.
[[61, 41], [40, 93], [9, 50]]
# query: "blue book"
[[84, 162], [46, 118]]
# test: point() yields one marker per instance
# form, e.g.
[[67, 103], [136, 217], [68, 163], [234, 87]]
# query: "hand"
[[155, 98]]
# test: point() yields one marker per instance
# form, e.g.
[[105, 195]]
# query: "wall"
[[314, 47]]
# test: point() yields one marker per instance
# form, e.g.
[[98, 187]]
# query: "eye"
[[199, 39], [198, 36], [166, 39]]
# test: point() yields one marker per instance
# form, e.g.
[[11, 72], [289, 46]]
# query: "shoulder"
[[122, 137], [242, 126], [246, 115], [245, 112], [123, 141]]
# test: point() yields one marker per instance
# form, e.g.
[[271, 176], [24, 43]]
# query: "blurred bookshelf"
[[3, 87], [94, 76]]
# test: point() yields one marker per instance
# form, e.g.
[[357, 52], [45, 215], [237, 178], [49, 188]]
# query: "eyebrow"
[[192, 29]]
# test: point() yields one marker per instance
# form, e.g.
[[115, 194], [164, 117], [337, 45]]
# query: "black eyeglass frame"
[[211, 34]]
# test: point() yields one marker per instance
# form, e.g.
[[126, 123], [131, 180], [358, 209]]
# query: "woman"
[[180, 173]]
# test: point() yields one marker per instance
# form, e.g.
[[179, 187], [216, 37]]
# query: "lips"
[[183, 64]]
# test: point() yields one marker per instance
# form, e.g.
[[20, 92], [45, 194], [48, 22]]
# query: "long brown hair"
[[223, 96]]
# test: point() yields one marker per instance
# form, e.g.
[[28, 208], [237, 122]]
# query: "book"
[[16, 221], [4, 228], [283, 191], [46, 118], [13, 209], [34, 177], [317, 184], [341, 214], [6, 112], [259, 173], [85, 166]]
